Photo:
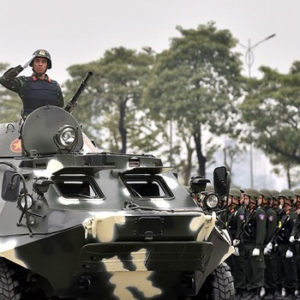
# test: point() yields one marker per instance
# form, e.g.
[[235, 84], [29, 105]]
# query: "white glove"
[[289, 254], [28, 62], [236, 251], [235, 242], [255, 252], [269, 246], [292, 239], [267, 251]]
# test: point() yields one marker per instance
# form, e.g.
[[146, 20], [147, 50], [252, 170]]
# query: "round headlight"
[[66, 137], [211, 200], [23, 202]]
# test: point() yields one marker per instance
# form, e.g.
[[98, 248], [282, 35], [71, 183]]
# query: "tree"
[[272, 108], [195, 83], [10, 102], [113, 96]]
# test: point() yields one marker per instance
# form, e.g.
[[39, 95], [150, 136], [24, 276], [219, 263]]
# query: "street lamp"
[[249, 59]]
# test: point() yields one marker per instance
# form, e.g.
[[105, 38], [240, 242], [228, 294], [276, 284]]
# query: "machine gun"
[[82, 86]]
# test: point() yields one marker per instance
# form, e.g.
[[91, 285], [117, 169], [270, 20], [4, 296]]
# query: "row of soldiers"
[[265, 229]]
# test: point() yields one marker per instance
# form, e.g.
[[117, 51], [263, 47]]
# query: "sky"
[[81, 31]]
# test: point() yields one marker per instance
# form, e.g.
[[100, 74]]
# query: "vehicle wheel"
[[8, 284], [219, 285]]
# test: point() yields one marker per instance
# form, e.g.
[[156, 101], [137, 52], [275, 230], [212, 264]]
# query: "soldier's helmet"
[[252, 193], [209, 188], [275, 194], [235, 192], [266, 194], [297, 192], [42, 53], [287, 194]]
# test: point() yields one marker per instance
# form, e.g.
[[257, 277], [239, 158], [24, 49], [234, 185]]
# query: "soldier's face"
[[281, 201], [242, 199], [252, 203], [287, 204], [246, 200], [265, 201], [40, 65], [275, 203]]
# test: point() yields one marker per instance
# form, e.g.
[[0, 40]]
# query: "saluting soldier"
[[38, 89]]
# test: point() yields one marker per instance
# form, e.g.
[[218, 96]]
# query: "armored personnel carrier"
[[76, 223]]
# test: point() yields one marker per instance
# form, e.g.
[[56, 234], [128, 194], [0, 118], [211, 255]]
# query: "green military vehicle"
[[76, 223]]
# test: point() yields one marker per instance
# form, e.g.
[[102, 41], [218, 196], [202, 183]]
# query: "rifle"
[[244, 225], [82, 86], [278, 229]]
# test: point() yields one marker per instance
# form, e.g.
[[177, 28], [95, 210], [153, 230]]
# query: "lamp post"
[[249, 59]]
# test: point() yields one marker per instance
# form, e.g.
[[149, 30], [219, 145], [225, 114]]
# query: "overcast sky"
[[80, 31]]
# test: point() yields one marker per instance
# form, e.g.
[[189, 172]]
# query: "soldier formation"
[[265, 229]]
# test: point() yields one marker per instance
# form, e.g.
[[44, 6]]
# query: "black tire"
[[8, 283], [219, 285]]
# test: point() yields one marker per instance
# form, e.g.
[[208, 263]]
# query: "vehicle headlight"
[[66, 137], [211, 200], [23, 202]]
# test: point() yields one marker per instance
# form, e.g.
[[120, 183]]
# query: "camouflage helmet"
[[275, 194], [209, 188], [266, 194], [288, 194], [297, 192], [235, 192], [42, 53], [252, 193]]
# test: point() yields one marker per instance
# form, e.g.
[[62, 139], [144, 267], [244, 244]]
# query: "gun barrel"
[[82, 86]]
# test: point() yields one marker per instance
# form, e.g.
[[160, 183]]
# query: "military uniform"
[[296, 235], [254, 235], [238, 261], [33, 91], [285, 248], [234, 224], [271, 260]]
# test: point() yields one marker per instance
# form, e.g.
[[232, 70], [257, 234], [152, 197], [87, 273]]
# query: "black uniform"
[[271, 258], [253, 238], [237, 262], [288, 266]]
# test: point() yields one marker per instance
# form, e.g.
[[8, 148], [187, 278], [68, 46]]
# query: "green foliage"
[[10, 102], [272, 108], [110, 107], [196, 81]]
